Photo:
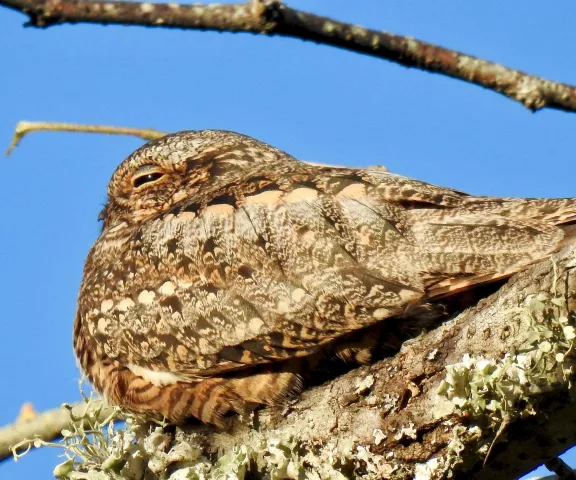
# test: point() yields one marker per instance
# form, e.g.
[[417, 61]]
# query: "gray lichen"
[[497, 391], [508, 386]]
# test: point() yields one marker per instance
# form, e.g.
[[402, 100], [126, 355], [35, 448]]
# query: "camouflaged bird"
[[226, 269]]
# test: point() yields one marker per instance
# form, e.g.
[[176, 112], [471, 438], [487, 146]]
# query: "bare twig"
[[46, 426], [23, 128], [273, 17], [561, 469]]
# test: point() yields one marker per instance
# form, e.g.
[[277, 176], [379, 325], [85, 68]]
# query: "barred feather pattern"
[[226, 269]]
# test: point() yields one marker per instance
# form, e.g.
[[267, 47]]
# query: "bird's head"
[[177, 167]]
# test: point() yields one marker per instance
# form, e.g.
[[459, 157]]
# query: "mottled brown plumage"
[[226, 268]]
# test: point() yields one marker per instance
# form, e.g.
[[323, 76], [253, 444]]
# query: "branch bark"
[[46, 426], [272, 17]]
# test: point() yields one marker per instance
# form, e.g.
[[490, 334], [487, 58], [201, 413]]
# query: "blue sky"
[[318, 103]]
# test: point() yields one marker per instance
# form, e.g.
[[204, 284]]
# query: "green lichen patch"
[[94, 449], [496, 392], [508, 387]]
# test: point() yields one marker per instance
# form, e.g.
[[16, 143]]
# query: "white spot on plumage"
[[254, 325], [356, 190], [106, 305], [167, 288], [146, 297], [298, 294], [270, 197], [125, 304], [219, 209], [300, 195], [380, 313], [283, 306], [102, 324], [157, 378]]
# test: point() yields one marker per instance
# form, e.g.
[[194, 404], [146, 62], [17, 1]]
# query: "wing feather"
[[321, 252]]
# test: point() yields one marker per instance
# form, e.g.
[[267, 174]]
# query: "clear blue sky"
[[318, 103]]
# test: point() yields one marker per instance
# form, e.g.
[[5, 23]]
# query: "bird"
[[227, 271]]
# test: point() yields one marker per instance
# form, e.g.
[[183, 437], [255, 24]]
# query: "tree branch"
[[46, 426], [272, 17], [561, 469]]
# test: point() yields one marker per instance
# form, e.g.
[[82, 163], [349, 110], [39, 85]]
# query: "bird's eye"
[[146, 175]]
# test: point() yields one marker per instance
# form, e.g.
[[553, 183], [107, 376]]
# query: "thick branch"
[[272, 17], [561, 469]]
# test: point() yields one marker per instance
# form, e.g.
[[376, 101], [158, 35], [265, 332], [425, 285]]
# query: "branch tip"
[[24, 127]]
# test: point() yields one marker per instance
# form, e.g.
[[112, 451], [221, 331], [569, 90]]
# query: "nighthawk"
[[227, 268]]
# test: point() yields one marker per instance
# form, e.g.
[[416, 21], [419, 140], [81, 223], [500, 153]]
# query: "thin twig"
[[561, 469], [23, 128], [273, 17], [506, 421], [46, 426]]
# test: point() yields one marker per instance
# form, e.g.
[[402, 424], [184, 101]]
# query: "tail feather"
[[569, 231], [556, 211], [485, 240]]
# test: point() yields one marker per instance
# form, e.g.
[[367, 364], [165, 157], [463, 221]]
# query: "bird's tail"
[[485, 239]]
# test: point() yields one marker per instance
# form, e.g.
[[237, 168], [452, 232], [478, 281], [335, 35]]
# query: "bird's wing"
[[486, 239], [283, 262], [266, 270]]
